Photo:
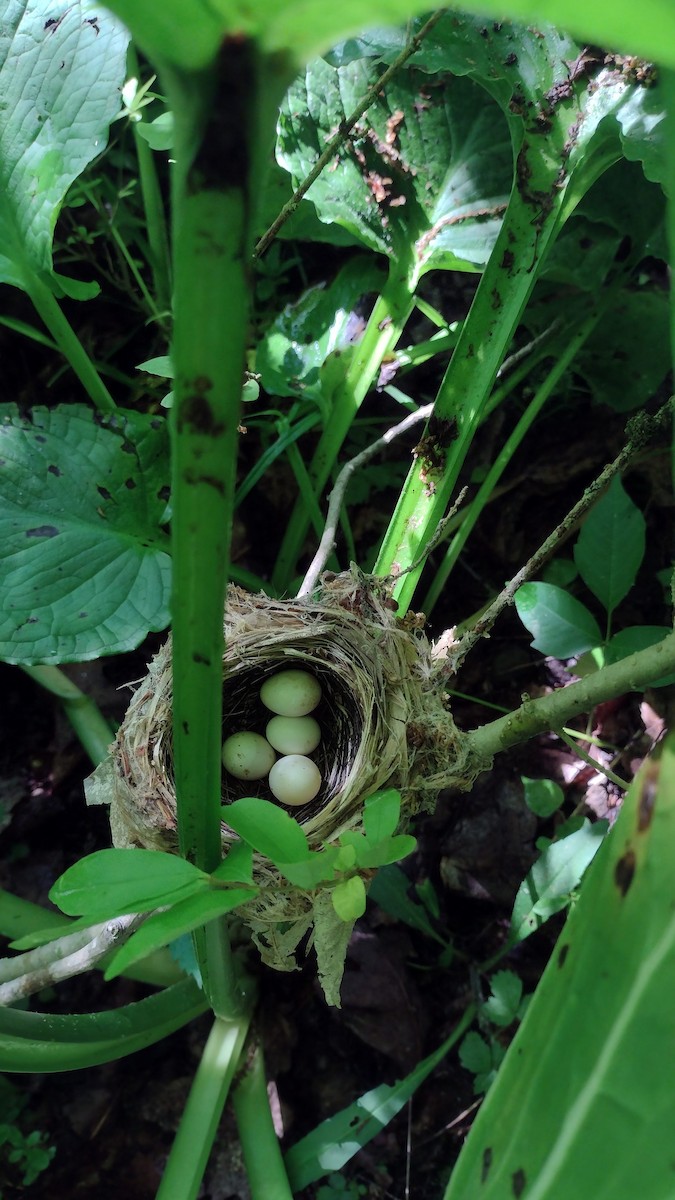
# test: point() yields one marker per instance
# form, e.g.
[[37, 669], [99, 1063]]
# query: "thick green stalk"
[[503, 291], [211, 245], [70, 345], [385, 326], [199, 1123], [266, 1174], [668, 86], [221, 113], [505, 455], [631, 674]]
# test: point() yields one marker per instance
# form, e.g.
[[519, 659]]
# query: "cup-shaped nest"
[[384, 720]]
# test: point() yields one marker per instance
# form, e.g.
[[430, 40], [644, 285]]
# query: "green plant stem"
[[385, 326], [631, 674], [86, 718], [211, 246], [153, 207], [70, 345], [506, 453], [199, 1123], [220, 114], [266, 1174], [667, 82], [501, 296]]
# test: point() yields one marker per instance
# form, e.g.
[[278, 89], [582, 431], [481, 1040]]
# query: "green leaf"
[[562, 626], [372, 855], [269, 829], [161, 366], [601, 1020], [543, 796], [40, 1042], [441, 180], [504, 1003], [322, 322], [561, 572], [313, 871], [381, 814], [390, 889], [61, 72], [349, 898], [336, 1140], [84, 567], [474, 1054], [548, 885], [113, 882], [159, 134], [237, 867], [639, 637], [627, 358], [162, 928], [611, 546]]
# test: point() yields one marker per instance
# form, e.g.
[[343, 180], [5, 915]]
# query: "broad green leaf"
[[583, 1103], [639, 637], [562, 626], [520, 66], [543, 796], [611, 546], [267, 828], [111, 882], [349, 898], [61, 70], [547, 887], [163, 927], [335, 1141], [322, 322], [503, 1005], [430, 165], [627, 358], [40, 1042], [580, 258], [84, 568], [381, 814]]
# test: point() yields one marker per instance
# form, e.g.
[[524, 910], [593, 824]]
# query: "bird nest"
[[385, 718]]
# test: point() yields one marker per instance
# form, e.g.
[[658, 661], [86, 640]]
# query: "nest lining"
[[384, 721]]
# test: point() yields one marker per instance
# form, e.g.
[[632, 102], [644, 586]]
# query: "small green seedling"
[[506, 1005], [607, 555]]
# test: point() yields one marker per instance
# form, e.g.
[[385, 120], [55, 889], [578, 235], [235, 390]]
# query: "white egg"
[[291, 693], [295, 780], [293, 735], [248, 756]]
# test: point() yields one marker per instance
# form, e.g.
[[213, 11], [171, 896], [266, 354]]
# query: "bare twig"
[[641, 429], [336, 499], [61, 959], [343, 132], [524, 351]]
